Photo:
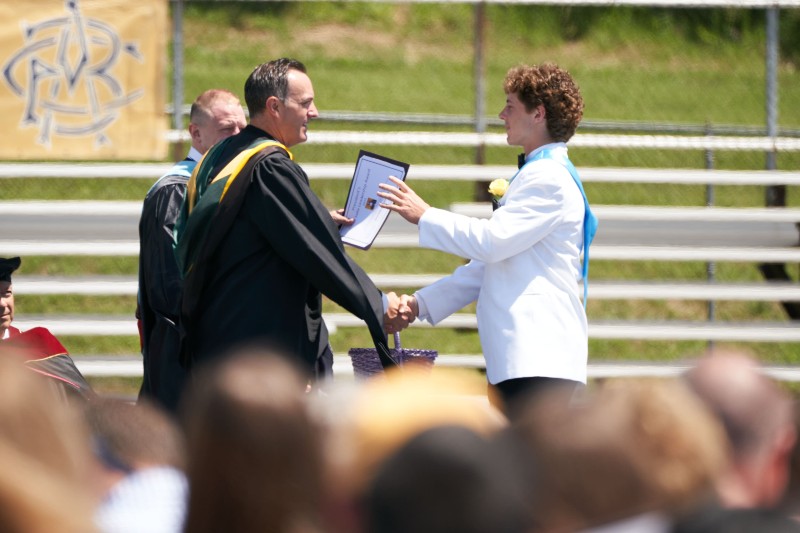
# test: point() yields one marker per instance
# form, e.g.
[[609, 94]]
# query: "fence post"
[[711, 267], [479, 73], [177, 75], [775, 194]]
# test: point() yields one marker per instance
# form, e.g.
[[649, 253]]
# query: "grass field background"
[[632, 64]]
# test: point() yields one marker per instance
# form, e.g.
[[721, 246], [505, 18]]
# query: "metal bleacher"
[[774, 239]]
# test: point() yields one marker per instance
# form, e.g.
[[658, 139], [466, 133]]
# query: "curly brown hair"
[[553, 87]]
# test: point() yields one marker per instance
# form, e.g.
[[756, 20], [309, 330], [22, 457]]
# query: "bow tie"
[[520, 160]]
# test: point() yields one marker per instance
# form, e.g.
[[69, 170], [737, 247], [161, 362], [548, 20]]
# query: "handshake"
[[402, 311]]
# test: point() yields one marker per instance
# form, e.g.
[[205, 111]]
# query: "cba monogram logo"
[[63, 73]]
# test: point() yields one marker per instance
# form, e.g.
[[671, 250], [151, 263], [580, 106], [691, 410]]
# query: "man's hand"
[[339, 219], [409, 308], [398, 316], [405, 201]]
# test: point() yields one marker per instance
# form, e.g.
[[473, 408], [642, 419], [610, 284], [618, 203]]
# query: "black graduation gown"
[[160, 293], [263, 282]]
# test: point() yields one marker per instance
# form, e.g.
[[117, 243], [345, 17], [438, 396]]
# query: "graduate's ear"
[[539, 113]]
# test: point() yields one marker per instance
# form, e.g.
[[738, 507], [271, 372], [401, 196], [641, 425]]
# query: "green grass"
[[630, 63], [101, 345], [75, 189], [77, 265], [77, 303]]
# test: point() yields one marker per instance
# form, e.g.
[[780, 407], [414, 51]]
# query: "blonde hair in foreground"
[[45, 457], [634, 446]]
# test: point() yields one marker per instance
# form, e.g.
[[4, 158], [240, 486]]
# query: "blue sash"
[[181, 168], [589, 219]]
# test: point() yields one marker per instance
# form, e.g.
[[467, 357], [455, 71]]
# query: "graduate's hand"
[[405, 201], [394, 320], [339, 219]]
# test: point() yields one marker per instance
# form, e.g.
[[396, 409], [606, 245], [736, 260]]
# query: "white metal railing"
[[344, 171], [753, 254], [131, 366], [600, 290], [630, 330], [93, 208], [583, 140]]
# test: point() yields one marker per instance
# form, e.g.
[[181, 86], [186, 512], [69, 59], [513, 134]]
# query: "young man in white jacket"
[[525, 261]]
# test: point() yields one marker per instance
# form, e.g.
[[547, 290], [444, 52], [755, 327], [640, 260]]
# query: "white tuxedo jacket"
[[524, 273]]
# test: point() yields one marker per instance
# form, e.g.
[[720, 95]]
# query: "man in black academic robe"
[[256, 245]]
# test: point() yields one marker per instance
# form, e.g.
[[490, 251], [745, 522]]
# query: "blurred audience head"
[[255, 453], [140, 452], [131, 437], [367, 422], [45, 457], [791, 497], [758, 418], [448, 479], [633, 447]]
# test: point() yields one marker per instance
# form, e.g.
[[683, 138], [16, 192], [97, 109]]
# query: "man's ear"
[[194, 132], [273, 106]]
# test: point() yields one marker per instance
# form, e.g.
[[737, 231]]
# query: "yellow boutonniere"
[[497, 188]]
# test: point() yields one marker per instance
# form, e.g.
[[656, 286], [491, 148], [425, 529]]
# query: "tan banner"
[[83, 79]]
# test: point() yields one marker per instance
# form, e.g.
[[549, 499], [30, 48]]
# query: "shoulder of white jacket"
[[544, 169]]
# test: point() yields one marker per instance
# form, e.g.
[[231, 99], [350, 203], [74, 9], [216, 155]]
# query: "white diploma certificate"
[[363, 202]]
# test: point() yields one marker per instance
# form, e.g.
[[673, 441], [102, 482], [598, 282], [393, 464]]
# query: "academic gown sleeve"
[[160, 280], [160, 288]]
